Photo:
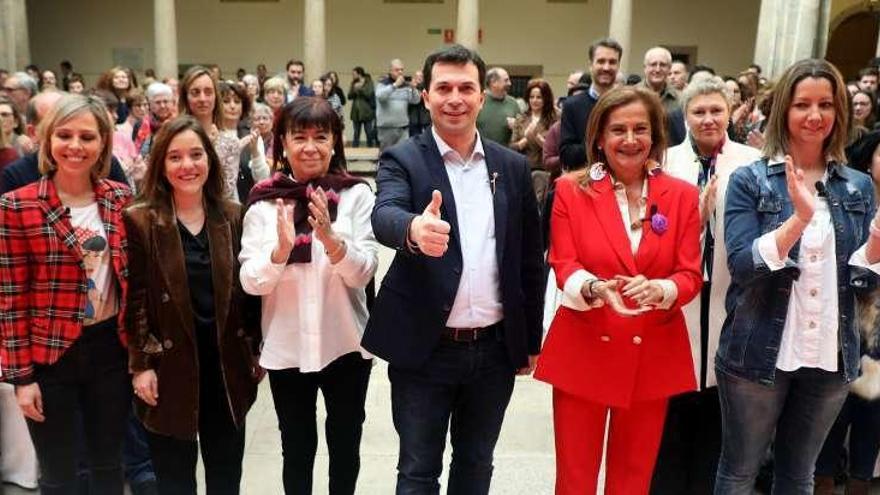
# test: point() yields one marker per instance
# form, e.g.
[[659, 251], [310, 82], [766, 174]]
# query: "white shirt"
[[809, 337], [478, 300], [92, 239], [571, 291], [313, 312]]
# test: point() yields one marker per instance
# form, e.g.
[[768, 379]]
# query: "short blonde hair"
[[275, 84], [776, 135], [704, 85], [66, 109]]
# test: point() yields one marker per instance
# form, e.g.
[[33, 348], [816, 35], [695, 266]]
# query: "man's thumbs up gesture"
[[428, 231]]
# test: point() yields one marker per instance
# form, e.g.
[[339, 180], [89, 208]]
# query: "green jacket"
[[363, 101]]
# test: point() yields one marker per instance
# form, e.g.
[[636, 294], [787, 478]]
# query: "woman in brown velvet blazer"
[[191, 331]]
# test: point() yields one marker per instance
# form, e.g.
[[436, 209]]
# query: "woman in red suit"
[[625, 249]]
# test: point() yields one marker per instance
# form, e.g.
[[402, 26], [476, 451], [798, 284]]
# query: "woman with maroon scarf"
[[308, 248]]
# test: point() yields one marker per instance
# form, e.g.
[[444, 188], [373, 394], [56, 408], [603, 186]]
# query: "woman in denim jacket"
[[801, 239], [858, 425]]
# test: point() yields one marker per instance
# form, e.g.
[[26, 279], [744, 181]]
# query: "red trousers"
[[633, 440]]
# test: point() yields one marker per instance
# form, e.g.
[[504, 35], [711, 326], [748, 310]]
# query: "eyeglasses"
[[10, 88], [162, 102], [6, 115]]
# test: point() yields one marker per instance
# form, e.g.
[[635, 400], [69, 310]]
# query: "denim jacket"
[[757, 300]]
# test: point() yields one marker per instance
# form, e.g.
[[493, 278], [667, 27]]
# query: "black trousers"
[[343, 383], [691, 445], [222, 446], [221, 443], [88, 390]]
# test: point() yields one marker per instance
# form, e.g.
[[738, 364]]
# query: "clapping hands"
[[802, 198], [707, 199]]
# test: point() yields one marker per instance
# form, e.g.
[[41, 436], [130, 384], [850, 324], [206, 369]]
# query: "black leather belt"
[[469, 334]]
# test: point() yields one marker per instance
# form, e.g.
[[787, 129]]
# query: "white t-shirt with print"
[[92, 240]]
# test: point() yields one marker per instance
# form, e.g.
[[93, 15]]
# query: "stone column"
[[165, 35], [468, 23], [765, 40], [806, 28], [314, 40], [7, 36], [788, 32], [824, 26], [22, 40], [620, 28], [877, 53]]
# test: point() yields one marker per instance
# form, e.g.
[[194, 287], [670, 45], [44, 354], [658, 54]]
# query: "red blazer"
[[596, 354], [43, 285]]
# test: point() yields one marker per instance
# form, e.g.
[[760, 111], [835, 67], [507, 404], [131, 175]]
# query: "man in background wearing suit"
[[604, 63], [459, 312]]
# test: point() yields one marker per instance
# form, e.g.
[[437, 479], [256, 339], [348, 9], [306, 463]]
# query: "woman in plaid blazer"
[[62, 291]]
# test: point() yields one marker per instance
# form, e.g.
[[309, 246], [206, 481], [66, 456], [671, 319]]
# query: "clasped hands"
[[647, 293]]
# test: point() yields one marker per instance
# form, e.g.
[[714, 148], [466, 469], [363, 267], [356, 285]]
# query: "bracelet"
[[336, 251], [590, 287]]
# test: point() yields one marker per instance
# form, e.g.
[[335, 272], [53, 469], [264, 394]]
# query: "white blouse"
[[809, 337], [313, 312]]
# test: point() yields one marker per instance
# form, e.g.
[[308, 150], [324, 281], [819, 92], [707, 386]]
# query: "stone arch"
[[852, 41]]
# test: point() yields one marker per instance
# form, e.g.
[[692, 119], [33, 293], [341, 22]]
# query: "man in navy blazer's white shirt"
[[458, 314]]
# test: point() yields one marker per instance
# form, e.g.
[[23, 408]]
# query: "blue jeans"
[[466, 384], [136, 452], [801, 406], [369, 127], [862, 419]]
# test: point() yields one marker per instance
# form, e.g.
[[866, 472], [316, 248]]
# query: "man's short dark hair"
[[65, 64], [458, 55], [294, 62], [756, 67], [868, 71], [607, 43]]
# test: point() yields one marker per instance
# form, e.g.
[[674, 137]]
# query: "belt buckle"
[[470, 333]]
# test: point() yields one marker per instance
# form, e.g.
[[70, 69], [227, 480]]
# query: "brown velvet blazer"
[[160, 323]]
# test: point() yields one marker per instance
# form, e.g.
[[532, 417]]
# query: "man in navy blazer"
[[458, 314]]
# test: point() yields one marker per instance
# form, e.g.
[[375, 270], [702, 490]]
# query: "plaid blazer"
[[43, 284]]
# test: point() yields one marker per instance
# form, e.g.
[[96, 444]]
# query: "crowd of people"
[[690, 261]]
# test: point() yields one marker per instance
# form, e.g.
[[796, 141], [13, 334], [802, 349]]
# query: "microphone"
[[820, 188]]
